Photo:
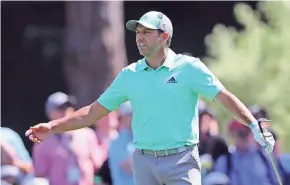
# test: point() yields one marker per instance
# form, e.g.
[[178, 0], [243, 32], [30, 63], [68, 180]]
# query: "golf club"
[[269, 154]]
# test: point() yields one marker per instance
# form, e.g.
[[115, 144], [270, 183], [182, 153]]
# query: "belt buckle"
[[166, 152], [155, 153]]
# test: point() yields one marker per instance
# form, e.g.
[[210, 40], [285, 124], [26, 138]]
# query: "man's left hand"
[[267, 141]]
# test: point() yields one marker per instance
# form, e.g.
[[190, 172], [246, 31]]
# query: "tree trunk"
[[94, 47]]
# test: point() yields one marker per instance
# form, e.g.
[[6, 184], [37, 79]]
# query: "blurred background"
[[79, 47]]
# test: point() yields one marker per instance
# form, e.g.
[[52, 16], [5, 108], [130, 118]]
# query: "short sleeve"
[[203, 81], [115, 94]]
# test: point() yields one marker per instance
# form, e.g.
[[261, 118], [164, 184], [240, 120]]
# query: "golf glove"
[[267, 141]]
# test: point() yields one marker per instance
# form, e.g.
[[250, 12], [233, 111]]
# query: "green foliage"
[[254, 63]]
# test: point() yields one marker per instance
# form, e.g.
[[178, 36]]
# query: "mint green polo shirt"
[[164, 101]]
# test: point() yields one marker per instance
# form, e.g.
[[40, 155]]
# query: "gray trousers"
[[177, 169]]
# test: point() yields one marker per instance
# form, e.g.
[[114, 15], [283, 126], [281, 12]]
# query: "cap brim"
[[132, 25]]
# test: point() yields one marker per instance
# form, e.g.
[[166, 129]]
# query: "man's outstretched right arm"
[[86, 116], [83, 117]]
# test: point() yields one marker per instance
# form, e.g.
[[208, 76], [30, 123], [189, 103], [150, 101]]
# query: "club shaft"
[[271, 158], [275, 169]]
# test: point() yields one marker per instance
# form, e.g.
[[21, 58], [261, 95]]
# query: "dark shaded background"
[[28, 61]]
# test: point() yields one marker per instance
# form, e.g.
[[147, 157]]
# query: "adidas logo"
[[172, 80]]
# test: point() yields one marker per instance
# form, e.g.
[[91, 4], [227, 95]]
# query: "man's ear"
[[166, 35]]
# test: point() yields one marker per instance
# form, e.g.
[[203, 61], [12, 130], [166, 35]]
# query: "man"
[[247, 164], [210, 141], [163, 88], [216, 178], [14, 169], [106, 131], [13, 139], [75, 155], [121, 149], [16, 164]]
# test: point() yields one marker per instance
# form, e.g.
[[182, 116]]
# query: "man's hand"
[[267, 140], [39, 133], [81, 118], [242, 113]]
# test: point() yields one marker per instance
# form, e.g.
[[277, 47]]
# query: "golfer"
[[163, 88]]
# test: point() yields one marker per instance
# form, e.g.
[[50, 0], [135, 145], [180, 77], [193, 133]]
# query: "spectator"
[[106, 131], [208, 122], [70, 158], [206, 162], [247, 164], [14, 170], [121, 149], [13, 139], [216, 178], [11, 175], [210, 141], [283, 160], [8, 156], [261, 112]]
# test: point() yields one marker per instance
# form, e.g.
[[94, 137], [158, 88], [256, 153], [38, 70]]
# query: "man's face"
[[148, 41], [60, 112], [56, 114]]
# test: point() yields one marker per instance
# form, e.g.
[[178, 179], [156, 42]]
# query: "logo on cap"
[[144, 17]]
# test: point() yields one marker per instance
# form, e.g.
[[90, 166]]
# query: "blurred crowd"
[[102, 154]]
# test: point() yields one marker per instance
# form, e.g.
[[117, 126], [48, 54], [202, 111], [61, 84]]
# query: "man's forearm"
[[76, 120], [235, 106], [81, 118]]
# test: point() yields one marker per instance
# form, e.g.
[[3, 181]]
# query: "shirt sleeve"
[[115, 94], [203, 81]]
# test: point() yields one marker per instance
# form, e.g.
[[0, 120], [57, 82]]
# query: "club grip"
[[260, 126]]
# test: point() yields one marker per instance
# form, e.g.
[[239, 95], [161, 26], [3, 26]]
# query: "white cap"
[[152, 20], [57, 99]]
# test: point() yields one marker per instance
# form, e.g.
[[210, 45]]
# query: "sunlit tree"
[[94, 47], [254, 62]]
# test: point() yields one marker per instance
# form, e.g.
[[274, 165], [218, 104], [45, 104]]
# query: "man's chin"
[[142, 53]]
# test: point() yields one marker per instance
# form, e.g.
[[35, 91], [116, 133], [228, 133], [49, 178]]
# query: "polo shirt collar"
[[169, 61]]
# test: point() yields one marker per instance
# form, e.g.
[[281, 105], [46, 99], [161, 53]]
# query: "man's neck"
[[156, 60]]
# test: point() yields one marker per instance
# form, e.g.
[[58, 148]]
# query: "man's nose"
[[140, 37]]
